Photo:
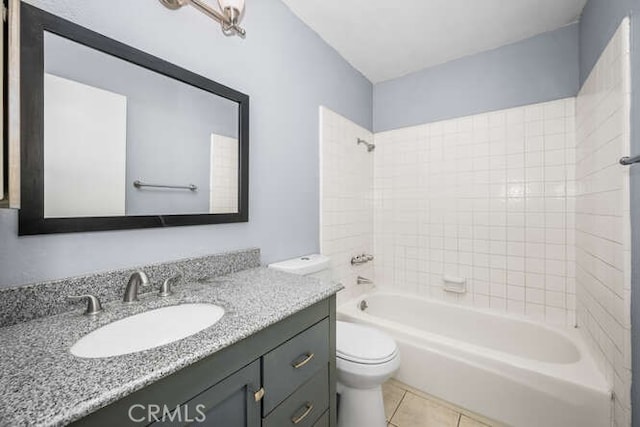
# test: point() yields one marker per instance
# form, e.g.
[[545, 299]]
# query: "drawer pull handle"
[[307, 411], [258, 395], [307, 359]]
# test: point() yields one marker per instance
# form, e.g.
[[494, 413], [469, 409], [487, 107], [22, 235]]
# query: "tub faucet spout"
[[364, 281]]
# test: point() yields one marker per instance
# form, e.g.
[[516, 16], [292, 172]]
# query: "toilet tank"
[[315, 265]]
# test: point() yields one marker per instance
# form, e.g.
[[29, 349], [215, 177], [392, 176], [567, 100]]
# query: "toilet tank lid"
[[304, 265]]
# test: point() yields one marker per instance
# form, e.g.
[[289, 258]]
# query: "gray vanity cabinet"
[[303, 407], [283, 375], [230, 403], [293, 363]]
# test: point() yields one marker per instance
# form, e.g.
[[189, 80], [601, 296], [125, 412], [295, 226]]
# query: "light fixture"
[[228, 17]]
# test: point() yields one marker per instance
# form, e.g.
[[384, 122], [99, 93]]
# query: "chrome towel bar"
[[626, 161], [139, 184]]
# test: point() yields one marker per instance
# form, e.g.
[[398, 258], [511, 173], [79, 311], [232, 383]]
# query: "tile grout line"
[[453, 408], [398, 406]]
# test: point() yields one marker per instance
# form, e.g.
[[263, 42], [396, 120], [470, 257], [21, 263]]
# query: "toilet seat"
[[363, 345]]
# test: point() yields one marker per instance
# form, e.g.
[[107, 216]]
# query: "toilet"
[[365, 356]]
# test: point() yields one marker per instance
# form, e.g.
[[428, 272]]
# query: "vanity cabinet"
[[293, 363], [304, 406], [284, 375], [231, 403]]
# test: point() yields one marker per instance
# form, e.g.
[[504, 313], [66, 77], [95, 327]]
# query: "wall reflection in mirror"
[[109, 123]]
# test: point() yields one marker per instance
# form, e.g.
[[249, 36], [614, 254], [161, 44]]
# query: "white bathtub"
[[518, 372]]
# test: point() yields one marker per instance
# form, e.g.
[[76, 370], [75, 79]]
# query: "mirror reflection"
[[120, 140]]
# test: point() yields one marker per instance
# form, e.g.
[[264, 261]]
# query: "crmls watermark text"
[[139, 413]]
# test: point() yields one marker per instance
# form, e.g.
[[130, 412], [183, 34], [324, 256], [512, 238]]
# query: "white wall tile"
[[346, 199], [483, 197], [602, 227], [528, 204], [224, 175]]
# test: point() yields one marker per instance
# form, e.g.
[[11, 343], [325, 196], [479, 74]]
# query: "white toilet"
[[365, 357]]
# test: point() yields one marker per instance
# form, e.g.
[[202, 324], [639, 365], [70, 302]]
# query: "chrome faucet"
[[364, 281], [137, 279]]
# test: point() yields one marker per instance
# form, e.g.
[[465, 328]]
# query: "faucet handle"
[[93, 303], [165, 288], [361, 259]]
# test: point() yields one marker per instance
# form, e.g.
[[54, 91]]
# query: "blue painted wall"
[[599, 22], [286, 69], [538, 69]]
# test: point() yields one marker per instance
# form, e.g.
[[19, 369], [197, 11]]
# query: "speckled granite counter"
[[41, 383], [27, 302]]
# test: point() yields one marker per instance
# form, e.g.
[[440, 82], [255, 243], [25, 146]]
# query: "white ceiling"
[[385, 39]]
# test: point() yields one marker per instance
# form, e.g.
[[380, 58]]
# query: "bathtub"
[[509, 369]]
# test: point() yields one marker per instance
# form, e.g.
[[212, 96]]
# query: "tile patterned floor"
[[407, 407]]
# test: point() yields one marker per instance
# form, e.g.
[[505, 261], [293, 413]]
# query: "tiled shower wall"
[[603, 233], [529, 205], [223, 185], [346, 192], [489, 198]]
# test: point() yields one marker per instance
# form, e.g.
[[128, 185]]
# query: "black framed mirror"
[[113, 138]]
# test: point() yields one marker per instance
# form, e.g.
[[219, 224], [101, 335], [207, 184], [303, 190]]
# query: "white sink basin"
[[147, 330]]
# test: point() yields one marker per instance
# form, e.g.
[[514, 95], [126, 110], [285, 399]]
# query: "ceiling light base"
[[228, 19], [174, 4]]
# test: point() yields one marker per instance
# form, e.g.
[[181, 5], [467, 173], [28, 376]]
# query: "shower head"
[[370, 147]]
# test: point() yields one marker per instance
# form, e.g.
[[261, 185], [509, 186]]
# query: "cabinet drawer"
[[304, 406], [294, 362], [323, 421]]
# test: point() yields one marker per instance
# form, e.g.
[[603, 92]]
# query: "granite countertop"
[[42, 383]]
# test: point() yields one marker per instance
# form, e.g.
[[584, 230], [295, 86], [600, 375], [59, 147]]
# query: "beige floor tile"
[[473, 416], [415, 411], [392, 396], [470, 422]]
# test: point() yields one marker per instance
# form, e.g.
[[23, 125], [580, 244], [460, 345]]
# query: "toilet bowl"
[[365, 358]]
